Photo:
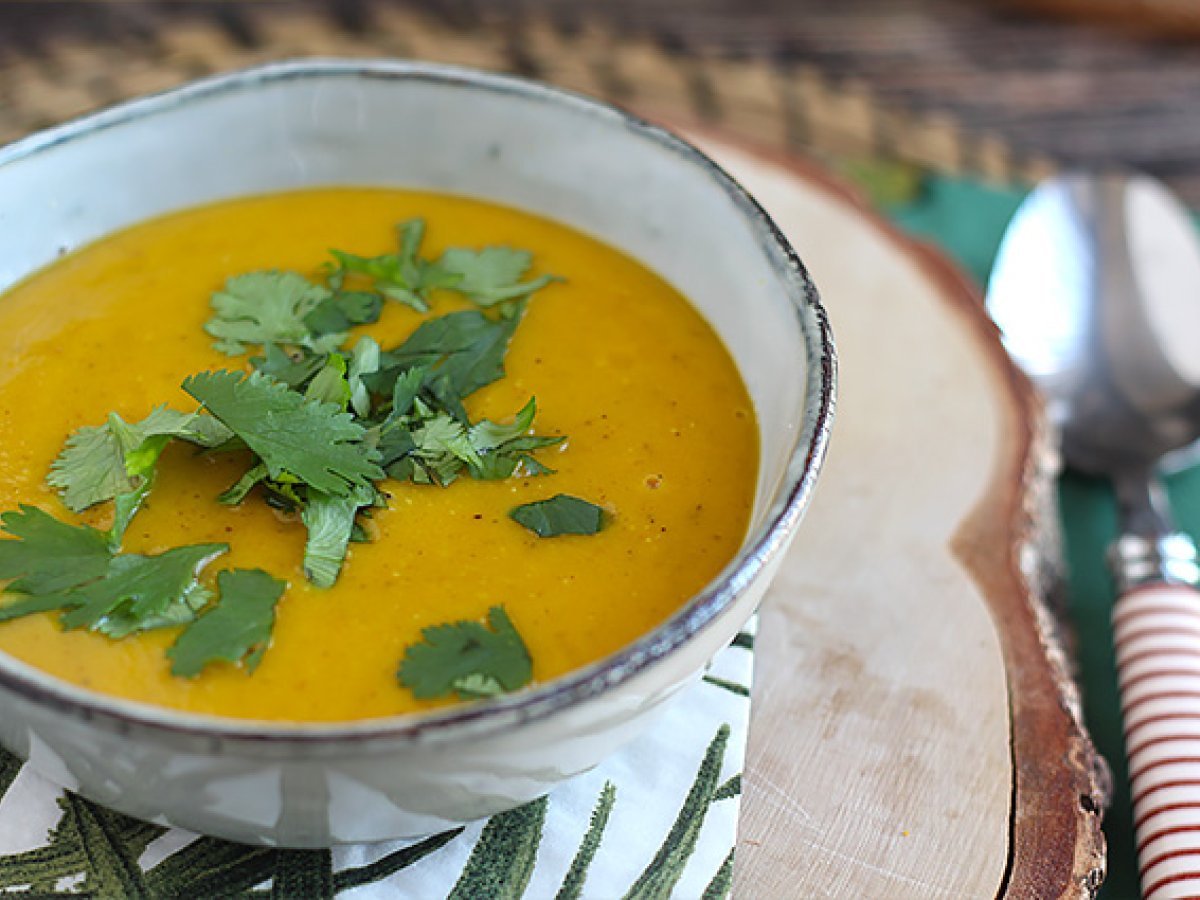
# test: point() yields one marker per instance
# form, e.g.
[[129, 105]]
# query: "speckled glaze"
[[301, 124]]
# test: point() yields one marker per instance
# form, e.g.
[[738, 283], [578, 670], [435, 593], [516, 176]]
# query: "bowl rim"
[[506, 712]]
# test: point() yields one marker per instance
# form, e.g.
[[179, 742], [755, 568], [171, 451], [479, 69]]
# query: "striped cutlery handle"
[[1157, 634]]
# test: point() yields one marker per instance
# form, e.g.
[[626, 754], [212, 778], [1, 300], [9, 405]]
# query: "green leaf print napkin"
[[657, 820]]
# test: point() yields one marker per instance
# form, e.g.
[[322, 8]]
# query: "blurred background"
[[941, 112], [1000, 89]]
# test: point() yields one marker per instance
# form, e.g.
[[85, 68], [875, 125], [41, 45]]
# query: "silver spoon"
[[1096, 290]]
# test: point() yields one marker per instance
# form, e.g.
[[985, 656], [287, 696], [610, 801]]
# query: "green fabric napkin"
[[967, 221]]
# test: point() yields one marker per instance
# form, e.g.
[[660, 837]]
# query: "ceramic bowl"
[[300, 124]]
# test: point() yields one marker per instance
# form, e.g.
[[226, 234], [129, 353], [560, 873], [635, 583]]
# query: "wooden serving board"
[[914, 730]]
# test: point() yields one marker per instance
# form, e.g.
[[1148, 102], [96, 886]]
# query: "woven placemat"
[[59, 61]]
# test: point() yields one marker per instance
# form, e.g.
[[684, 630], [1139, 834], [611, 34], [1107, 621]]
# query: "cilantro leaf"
[[462, 350], [468, 659], [101, 462], [503, 448], [429, 447], [561, 514], [268, 308], [293, 369], [237, 492], [488, 277], [442, 447], [387, 274], [339, 312], [488, 435], [404, 276], [330, 523], [493, 274], [28, 604], [532, 467], [139, 593], [315, 442], [49, 556], [395, 446], [405, 392], [125, 507], [237, 629], [364, 361], [330, 385]]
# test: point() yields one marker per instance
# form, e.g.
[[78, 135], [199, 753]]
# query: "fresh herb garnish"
[[236, 629], [468, 659], [487, 277], [49, 557], [404, 276], [364, 362], [505, 449], [101, 462], [268, 308], [54, 566], [310, 440], [141, 593], [492, 275], [293, 368], [329, 385], [561, 514], [460, 353], [428, 447], [330, 524], [338, 313], [321, 425]]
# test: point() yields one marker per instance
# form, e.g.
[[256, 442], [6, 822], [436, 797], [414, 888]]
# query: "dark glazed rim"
[[503, 713]]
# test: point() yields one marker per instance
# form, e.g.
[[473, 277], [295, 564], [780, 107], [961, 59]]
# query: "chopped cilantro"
[[364, 361], [237, 492], [49, 556], [430, 447], [52, 565], [407, 388], [140, 593], [268, 308], [561, 514], [404, 276], [315, 442], [339, 312], [502, 449], [464, 350], [322, 425], [125, 507], [493, 274], [330, 524], [442, 448], [468, 659], [237, 629], [330, 385], [101, 462], [293, 369]]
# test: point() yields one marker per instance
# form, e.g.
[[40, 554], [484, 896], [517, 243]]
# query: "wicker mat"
[[63, 60]]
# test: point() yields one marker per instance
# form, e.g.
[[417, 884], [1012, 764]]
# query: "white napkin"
[[657, 820]]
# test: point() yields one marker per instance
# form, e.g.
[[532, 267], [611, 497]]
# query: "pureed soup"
[[453, 557]]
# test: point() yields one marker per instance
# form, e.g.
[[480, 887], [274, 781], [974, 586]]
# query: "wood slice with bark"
[[915, 730]]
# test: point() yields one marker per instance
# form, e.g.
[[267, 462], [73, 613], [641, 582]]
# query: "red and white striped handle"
[[1157, 634]]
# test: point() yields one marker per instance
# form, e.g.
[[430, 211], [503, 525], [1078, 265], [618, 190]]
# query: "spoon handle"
[[1157, 633]]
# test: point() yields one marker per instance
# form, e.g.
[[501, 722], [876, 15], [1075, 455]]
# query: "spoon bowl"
[[1096, 289]]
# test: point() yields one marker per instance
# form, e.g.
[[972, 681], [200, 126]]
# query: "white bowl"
[[300, 124]]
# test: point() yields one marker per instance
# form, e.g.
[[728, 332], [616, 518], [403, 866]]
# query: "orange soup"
[[659, 432]]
